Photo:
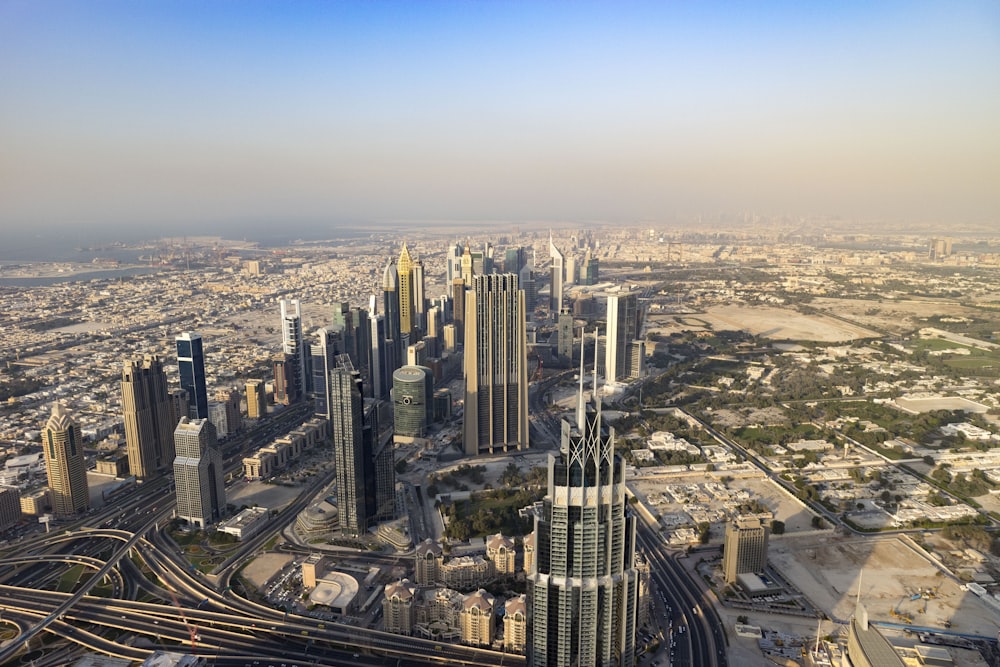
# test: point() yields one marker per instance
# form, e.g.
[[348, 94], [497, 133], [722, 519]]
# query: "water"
[[103, 274]]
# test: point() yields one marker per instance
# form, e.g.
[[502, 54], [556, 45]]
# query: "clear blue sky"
[[212, 113]]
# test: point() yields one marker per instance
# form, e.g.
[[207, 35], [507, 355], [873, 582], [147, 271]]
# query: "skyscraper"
[[453, 262], [381, 354], [390, 308], [624, 322], [323, 352], [256, 399], [412, 398], [358, 451], [294, 345], [496, 366], [191, 363], [746, 546], [285, 390], [149, 431], [62, 444], [419, 296], [557, 277], [583, 583], [201, 493], [404, 271], [564, 335]]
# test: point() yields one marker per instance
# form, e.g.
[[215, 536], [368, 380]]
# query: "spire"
[[390, 281], [597, 400]]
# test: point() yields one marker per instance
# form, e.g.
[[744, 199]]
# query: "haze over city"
[[214, 117]]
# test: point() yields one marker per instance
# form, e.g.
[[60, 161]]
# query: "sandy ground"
[[271, 496], [264, 567], [890, 315], [827, 568], [782, 323]]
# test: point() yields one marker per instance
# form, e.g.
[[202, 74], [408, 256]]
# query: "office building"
[[293, 344], [180, 406], [419, 296], [468, 265], [230, 399], [381, 355], [590, 273], [564, 336], [583, 584], [404, 286], [191, 364], [571, 270], [746, 546], [147, 413], [624, 322], [256, 399], [529, 284], [201, 492], [556, 277], [393, 334], [285, 390], [322, 354], [496, 366], [453, 262], [458, 307], [10, 507], [62, 444], [412, 399], [363, 459]]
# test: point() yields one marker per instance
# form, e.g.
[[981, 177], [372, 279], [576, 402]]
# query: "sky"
[[219, 114]]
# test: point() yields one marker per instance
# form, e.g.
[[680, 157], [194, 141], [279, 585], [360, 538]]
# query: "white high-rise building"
[[623, 328], [557, 277], [293, 344], [201, 492]]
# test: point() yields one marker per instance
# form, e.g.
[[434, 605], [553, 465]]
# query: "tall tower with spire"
[[404, 270], [583, 583]]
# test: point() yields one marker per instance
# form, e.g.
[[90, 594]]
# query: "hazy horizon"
[[220, 116]]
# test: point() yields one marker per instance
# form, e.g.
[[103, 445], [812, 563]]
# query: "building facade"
[[583, 585], [293, 344], [746, 546], [256, 399], [201, 493], [477, 618], [623, 328], [496, 366], [62, 444], [557, 276], [191, 364], [149, 431], [412, 400]]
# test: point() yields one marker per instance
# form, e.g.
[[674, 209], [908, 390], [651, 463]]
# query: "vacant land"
[[829, 569], [783, 324]]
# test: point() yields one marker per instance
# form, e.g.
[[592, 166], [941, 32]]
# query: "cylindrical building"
[[412, 392]]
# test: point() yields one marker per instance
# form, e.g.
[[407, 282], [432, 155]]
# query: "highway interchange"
[[138, 593]]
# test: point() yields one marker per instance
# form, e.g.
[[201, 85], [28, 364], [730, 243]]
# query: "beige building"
[[529, 552], [427, 559], [398, 607], [62, 444], [33, 503], [148, 417], [746, 546], [515, 624], [500, 550], [477, 618], [466, 572], [311, 567], [256, 399]]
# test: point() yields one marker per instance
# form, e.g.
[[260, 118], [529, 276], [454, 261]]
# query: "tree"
[[777, 527]]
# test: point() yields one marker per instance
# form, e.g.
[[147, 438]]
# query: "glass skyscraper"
[[191, 363]]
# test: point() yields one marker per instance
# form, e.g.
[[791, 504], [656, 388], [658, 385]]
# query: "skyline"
[[186, 116]]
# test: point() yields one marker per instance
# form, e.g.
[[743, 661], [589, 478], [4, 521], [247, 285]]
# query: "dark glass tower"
[[191, 362], [149, 427]]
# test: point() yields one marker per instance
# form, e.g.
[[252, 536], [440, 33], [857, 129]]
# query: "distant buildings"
[[62, 445], [746, 547], [149, 428], [201, 493], [496, 366], [191, 363]]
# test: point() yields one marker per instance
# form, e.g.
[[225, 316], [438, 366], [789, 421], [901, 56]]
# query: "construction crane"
[[192, 629]]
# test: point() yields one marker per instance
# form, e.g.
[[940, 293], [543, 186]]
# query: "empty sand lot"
[[828, 568], [782, 324]]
